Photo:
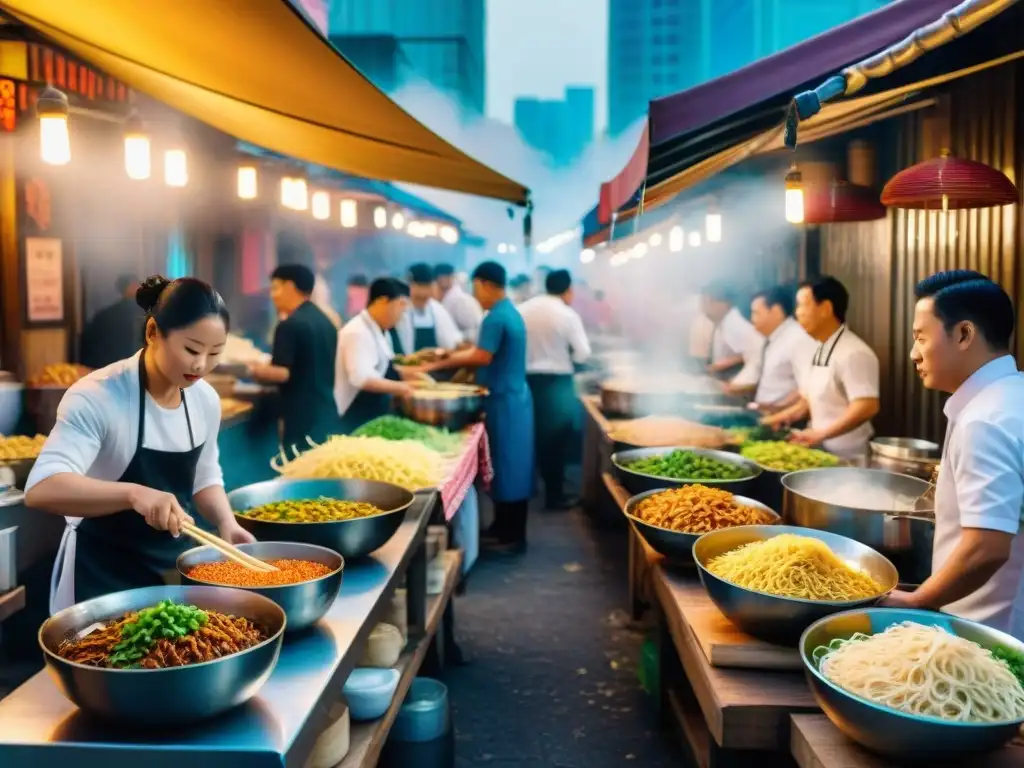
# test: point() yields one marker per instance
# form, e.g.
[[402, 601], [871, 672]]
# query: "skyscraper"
[[562, 128], [443, 41], [659, 47]]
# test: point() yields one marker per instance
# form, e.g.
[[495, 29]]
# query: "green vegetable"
[[397, 428], [1013, 659], [688, 465], [164, 620], [760, 433], [786, 457]]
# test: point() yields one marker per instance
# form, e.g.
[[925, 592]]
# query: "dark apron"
[[396, 342], [121, 551], [424, 338], [368, 405], [556, 419]]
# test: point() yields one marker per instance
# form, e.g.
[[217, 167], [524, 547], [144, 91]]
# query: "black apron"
[[424, 338], [369, 405], [121, 551], [396, 343]]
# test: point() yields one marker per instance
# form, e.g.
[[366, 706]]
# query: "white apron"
[[828, 402], [62, 580]]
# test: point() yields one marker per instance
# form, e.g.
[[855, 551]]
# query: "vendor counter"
[[280, 726]]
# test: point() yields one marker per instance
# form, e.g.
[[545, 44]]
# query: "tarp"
[[259, 71], [676, 117]]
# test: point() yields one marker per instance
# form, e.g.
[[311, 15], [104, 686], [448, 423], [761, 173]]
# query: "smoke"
[[561, 196]]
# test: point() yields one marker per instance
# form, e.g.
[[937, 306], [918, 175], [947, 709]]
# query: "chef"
[[365, 379], [500, 356], [786, 350], [463, 308], [962, 327], [735, 345], [839, 386], [426, 324], [555, 343], [133, 454], [302, 364]]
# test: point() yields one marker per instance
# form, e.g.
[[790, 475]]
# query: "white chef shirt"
[[735, 335], [555, 338], [786, 350], [97, 428], [364, 352], [851, 373], [981, 485], [433, 315], [465, 311]]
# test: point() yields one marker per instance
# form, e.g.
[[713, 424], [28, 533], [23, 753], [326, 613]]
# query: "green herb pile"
[[397, 428], [164, 620], [688, 465], [1014, 660]]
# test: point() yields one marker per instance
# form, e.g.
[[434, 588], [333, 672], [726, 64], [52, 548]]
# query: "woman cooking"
[[134, 451]]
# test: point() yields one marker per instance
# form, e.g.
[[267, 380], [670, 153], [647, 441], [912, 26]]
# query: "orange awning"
[[258, 71]]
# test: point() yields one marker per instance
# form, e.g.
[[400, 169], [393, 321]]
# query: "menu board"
[[44, 280]]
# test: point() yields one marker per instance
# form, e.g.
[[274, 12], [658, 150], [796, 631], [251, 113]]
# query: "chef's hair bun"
[[148, 294]]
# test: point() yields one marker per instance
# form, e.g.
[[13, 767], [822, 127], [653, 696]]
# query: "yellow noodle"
[[794, 566]]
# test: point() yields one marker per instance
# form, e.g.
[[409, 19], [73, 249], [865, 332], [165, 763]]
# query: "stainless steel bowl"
[[350, 538], [771, 617], [164, 697], [904, 737], [676, 546], [903, 536], [906, 448], [448, 412], [304, 603], [638, 482]]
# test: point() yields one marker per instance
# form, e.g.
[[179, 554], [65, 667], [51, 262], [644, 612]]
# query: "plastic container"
[[369, 692], [422, 734]]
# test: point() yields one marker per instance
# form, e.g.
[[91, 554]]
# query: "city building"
[[659, 47], [441, 41], [561, 128]]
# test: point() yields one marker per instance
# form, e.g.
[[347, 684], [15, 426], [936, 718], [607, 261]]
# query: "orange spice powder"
[[232, 574]]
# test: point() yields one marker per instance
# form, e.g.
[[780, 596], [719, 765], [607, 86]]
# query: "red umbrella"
[[841, 201], [949, 183]]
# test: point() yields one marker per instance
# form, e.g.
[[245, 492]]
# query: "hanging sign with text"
[[44, 280]]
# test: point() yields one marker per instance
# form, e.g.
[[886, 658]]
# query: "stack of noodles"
[[404, 463], [795, 566], [698, 509], [926, 671], [663, 431]]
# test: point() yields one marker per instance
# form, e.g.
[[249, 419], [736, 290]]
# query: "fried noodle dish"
[[165, 635], [698, 509]]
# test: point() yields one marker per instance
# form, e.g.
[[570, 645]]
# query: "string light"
[[349, 213], [175, 167], [676, 239], [137, 161], [586, 255], [713, 227], [247, 182], [398, 221], [794, 197], [449, 234], [693, 239], [380, 217], [655, 240], [320, 204], [54, 140]]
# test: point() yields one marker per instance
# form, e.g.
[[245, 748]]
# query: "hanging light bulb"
[[54, 141], [693, 239], [380, 217], [321, 205], [794, 197], [349, 213], [502, 247], [175, 167], [398, 221], [676, 239], [449, 234], [137, 161], [713, 226], [247, 182], [655, 240], [586, 255]]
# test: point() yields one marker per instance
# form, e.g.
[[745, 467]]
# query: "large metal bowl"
[[638, 482], [350, 538], [771, 617], [449, 412], [910, 739], [676, 546], [906, 448], [164, 697], [903, 536], [304, 603]]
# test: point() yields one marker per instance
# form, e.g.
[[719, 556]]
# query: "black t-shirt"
[[306, 343]]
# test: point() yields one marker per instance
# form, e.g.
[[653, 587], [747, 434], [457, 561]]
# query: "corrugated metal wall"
[[982, 119]]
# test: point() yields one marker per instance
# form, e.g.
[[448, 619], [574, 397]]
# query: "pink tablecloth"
[[475, 460]]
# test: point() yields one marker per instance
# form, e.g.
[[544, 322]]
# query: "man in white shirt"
[[785, 347], [426, 324], [365, 380], [735, 344], [839, 387], [962, 327], [555, 343], [464, 309]]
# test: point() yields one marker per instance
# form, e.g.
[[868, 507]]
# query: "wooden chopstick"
[[228, 550]]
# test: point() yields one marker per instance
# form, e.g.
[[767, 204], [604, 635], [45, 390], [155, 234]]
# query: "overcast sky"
[[538, 47]]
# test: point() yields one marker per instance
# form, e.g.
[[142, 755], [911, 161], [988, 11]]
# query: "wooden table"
[[11, 602], [817, 743], [641, 556], [597, 451]]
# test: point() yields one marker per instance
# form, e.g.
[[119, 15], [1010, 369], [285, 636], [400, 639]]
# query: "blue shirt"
[[503, 334]]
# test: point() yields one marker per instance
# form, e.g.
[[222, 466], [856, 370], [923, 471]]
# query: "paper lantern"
[[948, 183]]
